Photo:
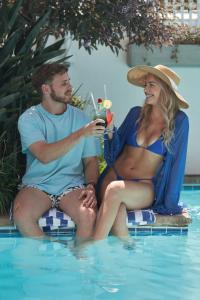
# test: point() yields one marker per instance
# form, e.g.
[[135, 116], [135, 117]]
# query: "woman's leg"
[[119, 227], [134, 195]]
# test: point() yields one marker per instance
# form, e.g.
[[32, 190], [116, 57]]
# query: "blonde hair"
[[168, 105]]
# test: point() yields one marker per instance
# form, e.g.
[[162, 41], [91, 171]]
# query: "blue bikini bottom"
[[132, 179]]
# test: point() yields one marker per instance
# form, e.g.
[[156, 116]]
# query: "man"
[[61, 152]]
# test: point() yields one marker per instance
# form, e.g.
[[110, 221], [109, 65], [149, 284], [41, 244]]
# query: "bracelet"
[[92, 183]]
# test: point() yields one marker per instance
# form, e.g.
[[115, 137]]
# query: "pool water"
[[158, 267]]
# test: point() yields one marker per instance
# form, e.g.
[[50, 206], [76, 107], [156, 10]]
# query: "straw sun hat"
[[136, 77]]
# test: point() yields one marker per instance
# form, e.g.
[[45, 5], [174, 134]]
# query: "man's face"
[[61, 90]]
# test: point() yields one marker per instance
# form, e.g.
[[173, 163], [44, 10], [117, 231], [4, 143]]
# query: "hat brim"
[[137, 74], [182, 102]]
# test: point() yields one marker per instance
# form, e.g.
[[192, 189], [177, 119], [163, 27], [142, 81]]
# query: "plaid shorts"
[[55, 199]]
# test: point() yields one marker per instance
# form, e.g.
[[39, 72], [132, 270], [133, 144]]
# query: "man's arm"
[[91, 169], [48, 152], [88, 196]]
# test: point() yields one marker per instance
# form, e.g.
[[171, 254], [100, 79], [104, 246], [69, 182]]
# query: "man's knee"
[[19, 214], [87, 216]]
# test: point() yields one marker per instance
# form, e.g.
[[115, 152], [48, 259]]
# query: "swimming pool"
[[159, 267]]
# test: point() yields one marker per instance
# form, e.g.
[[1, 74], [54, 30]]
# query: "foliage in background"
[[190, 35], [107, 22], [22, 51], [104, 22], [79, 102], [9, 177]]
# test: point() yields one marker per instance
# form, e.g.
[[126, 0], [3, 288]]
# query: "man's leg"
[[29, 206], [83, 217]]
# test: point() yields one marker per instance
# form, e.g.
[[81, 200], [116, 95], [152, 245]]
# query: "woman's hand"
[[110, 125]]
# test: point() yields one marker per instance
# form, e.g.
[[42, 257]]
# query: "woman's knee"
[[113, 191]]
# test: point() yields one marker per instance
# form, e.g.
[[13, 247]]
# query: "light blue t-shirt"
[[37, 124]]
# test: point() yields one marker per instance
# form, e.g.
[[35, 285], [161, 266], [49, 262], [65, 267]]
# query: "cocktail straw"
[[92, 96], [105, 92]]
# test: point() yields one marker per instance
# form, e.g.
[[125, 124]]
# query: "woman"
[[146, 155]]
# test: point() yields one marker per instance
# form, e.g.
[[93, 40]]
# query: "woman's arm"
[[113, 146], [171, 182]]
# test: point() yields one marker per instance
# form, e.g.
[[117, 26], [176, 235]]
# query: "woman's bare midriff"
[[136, 163]]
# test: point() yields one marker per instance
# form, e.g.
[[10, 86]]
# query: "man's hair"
[[46, 73]]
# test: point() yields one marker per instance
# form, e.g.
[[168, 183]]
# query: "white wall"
[[104, 67]]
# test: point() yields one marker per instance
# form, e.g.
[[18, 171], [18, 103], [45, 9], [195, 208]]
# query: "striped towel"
[[141, 217], [54, 218]]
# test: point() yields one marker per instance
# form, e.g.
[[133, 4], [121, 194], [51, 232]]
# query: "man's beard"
[[58, 98]]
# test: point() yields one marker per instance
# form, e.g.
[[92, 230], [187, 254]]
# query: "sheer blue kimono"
[[169, 178]]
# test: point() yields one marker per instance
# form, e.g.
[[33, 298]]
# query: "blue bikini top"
[[157, 147]]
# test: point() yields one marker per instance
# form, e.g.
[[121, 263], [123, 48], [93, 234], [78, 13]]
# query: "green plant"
[[9, 178], [79, 102], [105, 22], [189, 35], [22, 51], [102, 163]]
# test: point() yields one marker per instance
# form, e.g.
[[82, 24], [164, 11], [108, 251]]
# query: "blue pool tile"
[[191, 187], [70, 232]]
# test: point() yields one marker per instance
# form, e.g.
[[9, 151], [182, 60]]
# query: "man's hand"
[[94, 128], [88, 196]]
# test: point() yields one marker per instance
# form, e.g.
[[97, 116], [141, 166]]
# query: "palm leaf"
[[4, 61], [46, 56], [8, 17], [8, 99], [14, 14], [12, 85], [54, 46], [2, 116], [34, 32], [63, 60], [10, 45]]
